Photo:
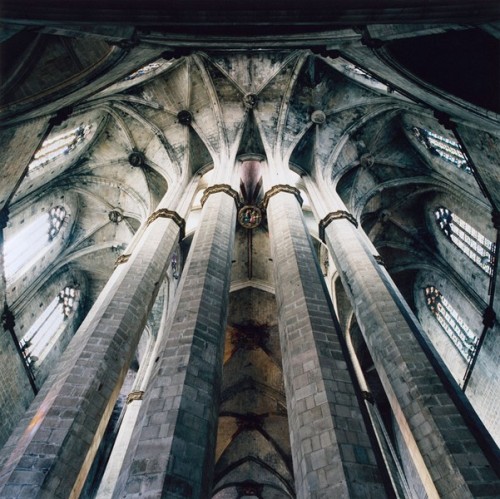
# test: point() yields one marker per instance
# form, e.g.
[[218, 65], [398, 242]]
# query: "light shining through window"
[[477, 247], [23, 249], [447, 149], [58, 145], [457, 330], [40, 334]]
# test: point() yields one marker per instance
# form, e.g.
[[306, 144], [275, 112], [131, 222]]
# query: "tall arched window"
[[477, 247], [57, 145], [458, 331], [35, 342], [28, 245], [447, 149]]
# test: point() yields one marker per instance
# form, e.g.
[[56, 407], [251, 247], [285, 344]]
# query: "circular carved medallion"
[[249, 216]]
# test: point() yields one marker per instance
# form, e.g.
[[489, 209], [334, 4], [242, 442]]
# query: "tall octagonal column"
[[52, 448], [173, 445], [331, 450], [446, 454]]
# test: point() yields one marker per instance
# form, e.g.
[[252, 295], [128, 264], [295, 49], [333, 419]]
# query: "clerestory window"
[[455, 327], [148, 68], [447, 149], [29, 244], [477, 247], [44, 330], [60, 144]]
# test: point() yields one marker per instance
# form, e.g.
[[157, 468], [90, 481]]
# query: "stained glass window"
[[39, 335], [447, 149], [477, 247], [455, 327], [58, 145]]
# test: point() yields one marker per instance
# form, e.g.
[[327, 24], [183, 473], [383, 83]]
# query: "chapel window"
[[58, 145], [447, 149], [455, 327], [148, 68], [28, 245], [477, 247], [41, 333]]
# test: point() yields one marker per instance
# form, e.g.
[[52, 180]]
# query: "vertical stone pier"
[[331, 450], [446, 454], [173, 445], [51, 450]]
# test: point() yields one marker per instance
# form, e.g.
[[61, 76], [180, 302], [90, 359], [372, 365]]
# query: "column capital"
[[366, 395], [335, 215], [225, 188], [122, 259], [173, 215], [135, 395], [276, 189]]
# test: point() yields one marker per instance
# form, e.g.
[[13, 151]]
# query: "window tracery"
[[447, 149], [477, 247], [57, 215], [58, 145], [455, 327], [40, 334], [28, 245]]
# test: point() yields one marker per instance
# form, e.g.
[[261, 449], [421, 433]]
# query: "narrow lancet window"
[[44, 329], [58, 145], [28, 245], [457, 330], [477, 247], [447, 149]]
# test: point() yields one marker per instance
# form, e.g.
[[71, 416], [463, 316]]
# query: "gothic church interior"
[[250, 253]]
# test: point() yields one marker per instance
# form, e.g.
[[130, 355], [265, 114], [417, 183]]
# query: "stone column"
[[449, 461], [173, 445], [51, 450], [331, 451], [120, 445]]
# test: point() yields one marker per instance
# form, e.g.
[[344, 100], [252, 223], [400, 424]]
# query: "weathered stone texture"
[[172, 448], [50, 452], [331, 450], [17, 146], [422, 407]]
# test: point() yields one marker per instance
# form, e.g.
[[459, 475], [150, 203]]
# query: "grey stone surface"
[[331, 450], [172, 448], [58, 433]]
